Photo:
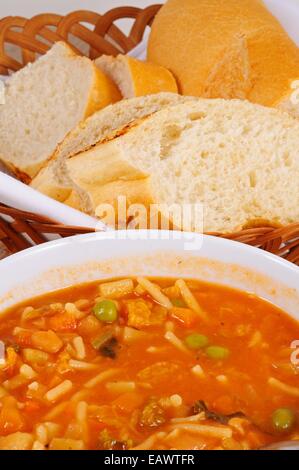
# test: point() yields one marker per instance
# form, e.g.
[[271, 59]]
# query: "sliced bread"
[[53, 180], [44, 101], [135, 77], [239, 160]]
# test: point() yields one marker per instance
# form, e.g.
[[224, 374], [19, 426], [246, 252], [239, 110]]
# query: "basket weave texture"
[[88, 33], [23, 40]]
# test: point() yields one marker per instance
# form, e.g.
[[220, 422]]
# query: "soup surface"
[[148, 364]]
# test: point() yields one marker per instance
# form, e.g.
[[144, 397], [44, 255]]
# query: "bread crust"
[[99, 92], [192, 38], [135, 77]]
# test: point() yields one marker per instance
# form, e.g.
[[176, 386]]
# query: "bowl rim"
[[123, 235], [86, 258]]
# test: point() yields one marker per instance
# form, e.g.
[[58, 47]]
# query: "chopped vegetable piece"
[[173, 292], [283, 419], [46, 341], [34, 356], [10, 416], [200, 406], [27, 371], [217, 352], [9, 343], [37, 445], [139, 313], [109, 443], [59, 443], [106, 311], [158, 315], [97, 343], [11, 360], [153, 415], [17, 441], [89, 326], [109, 348], [196, 341], [63, 321], [178, 303]]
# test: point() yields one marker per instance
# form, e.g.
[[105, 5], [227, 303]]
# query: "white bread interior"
[[117, 69], [239, 160], [43, 102], [135, 77], [54, 181]]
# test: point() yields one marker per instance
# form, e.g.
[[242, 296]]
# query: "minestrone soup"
[[147, 364]]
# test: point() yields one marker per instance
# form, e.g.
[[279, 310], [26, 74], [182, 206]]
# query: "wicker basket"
[[20, 230]]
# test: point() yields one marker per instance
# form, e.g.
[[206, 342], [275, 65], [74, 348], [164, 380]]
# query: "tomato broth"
[[147, 364]]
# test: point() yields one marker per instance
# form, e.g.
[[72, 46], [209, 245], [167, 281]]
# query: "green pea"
[[283, 419], [196, 341], [106, 311], [178, 303], [217, 352]]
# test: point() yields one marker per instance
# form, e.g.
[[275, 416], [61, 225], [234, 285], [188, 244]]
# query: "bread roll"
[[239, 160], [226, 49], [135, 77], [53, 179], [44, 101]]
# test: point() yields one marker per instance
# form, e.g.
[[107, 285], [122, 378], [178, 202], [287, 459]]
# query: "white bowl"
[[61, 263]]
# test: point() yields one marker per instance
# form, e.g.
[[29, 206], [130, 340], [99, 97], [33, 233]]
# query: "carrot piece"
[[128, 402], [224, 405], [63, 322], [10, 417], [184, 315], [32, 406], [11, 361], [47, 341], [23, 338], [256, 439]]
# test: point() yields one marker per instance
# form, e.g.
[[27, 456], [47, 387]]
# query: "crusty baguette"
[[44, 101], [53, 180], [135, 77], [226, 49], [239, 160]]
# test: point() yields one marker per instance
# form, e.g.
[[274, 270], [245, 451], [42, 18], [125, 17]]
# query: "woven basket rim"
[[103, 37], [37, 34]]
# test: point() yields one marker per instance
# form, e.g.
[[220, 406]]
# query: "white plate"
[[83, 258]]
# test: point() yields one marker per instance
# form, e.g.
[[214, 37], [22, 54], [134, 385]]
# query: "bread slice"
[[53, 180], [239, 160], [195, 38], [44, 101], [135, 77]]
